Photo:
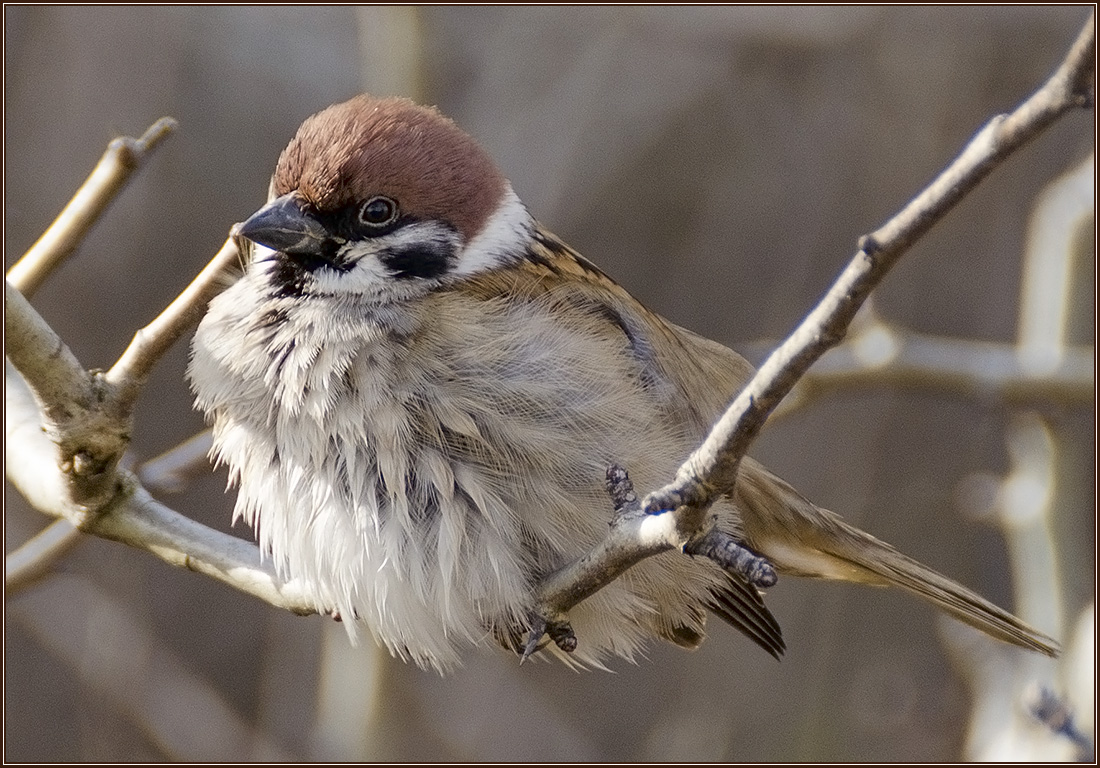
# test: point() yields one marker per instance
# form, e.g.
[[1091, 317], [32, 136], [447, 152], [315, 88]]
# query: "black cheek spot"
[[422, 261]]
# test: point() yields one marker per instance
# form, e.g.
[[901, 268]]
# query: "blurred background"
[[721, 163]]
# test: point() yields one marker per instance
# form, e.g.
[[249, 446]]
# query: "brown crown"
[[369, 146]]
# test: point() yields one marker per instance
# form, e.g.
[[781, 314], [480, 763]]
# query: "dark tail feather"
[[741, 606]]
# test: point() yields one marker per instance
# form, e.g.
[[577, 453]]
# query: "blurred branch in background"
[[132, 671], [880, 354], [391, 50], [172, 471], [1027, 501], [33, 560]]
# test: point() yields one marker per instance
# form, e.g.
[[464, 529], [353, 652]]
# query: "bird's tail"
[[803, 539]]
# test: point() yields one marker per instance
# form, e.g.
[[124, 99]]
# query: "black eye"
[[378, 212]]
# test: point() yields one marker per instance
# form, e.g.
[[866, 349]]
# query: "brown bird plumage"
[[418, 389]]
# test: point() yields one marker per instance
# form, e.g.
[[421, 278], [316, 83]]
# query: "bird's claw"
[[734, 557], [560, 631]]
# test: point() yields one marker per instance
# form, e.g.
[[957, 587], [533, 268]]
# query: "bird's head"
[[386, 198]]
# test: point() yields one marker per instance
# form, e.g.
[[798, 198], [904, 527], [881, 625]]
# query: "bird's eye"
[[378, 212]]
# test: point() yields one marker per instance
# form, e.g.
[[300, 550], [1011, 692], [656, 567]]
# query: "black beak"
[[283, 225]]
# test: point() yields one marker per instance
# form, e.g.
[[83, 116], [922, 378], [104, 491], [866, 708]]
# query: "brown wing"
[[703, 375], [671, 359]]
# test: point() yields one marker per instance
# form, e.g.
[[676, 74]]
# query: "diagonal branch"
[[123, 156], [711, 470], [129, 515], [56, 377], [141, 521], [32, 561], [66, 427], [172, 471], [128, 375]]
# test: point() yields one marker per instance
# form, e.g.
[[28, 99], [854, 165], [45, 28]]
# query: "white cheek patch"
[[418, 257], [503, 239], [408, 260], [366, 275]]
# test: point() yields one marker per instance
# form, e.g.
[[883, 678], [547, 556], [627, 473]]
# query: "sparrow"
[[419, 390]]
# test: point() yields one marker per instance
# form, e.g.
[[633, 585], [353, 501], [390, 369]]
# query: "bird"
[[418, 390]]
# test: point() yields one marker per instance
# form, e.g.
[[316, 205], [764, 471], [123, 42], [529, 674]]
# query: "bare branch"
[[125, 512], [131, 516], [123, 157], [32, 561], [141, 521], [127, 377], [51, 369], [632, 537], [171, 471], [711, 469]]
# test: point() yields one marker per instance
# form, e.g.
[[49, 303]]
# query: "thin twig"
[[33, 560], [128, 375], [711, 469], [171, 471], [123, 157], [141, 521]]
